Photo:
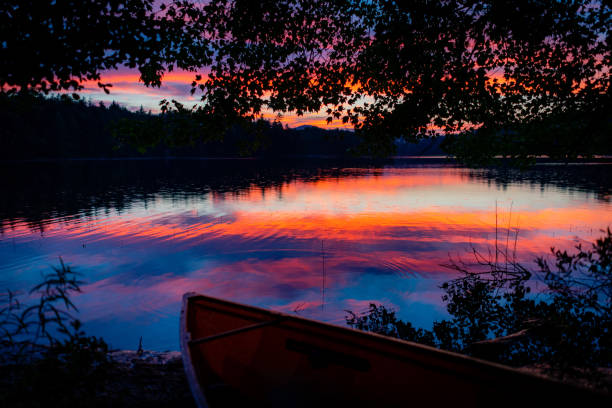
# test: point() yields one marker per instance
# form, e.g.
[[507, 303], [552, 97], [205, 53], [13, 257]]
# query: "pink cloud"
[[127, 90]]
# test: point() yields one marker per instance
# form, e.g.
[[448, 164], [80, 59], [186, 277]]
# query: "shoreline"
[[132, 357], [157, 379], [313, 159]]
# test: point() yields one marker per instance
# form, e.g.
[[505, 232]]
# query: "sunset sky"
[[131, 93]]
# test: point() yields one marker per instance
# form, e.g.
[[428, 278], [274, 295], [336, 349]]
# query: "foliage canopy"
[[56, 45], [515, 78]]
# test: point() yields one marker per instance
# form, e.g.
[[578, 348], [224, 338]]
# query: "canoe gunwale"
[[426, 350], [422, 353]]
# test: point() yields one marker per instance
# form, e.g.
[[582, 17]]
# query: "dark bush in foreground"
[[47, 360], [566, 330]]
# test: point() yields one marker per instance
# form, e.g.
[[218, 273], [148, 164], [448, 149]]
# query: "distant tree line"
[[36, 127]]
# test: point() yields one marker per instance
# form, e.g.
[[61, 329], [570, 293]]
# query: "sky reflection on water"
[[379, 233]]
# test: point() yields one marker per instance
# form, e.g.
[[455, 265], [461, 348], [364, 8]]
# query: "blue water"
[[313, 238]]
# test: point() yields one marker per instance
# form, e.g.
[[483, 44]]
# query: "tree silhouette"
[[55, 45], [519, 78]]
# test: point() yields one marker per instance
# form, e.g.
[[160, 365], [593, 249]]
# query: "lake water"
[[312, 238]]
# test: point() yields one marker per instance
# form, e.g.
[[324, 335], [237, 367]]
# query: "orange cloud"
[[129, 91], [133, 76]]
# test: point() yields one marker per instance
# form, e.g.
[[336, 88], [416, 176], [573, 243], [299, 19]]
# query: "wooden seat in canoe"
[[238, 355]]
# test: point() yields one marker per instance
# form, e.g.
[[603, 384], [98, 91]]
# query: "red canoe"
[[238, 355]]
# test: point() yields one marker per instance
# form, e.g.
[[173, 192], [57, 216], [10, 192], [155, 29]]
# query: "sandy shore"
[[132, 357], [151, 379]]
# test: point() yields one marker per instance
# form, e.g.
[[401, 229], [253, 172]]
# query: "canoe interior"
[[241, 355]]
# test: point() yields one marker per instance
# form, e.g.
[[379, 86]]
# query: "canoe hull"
[[263, 358]]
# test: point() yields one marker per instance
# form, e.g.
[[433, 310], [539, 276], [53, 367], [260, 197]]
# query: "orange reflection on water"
[[424, 205], [449, 224], [402, 221]]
